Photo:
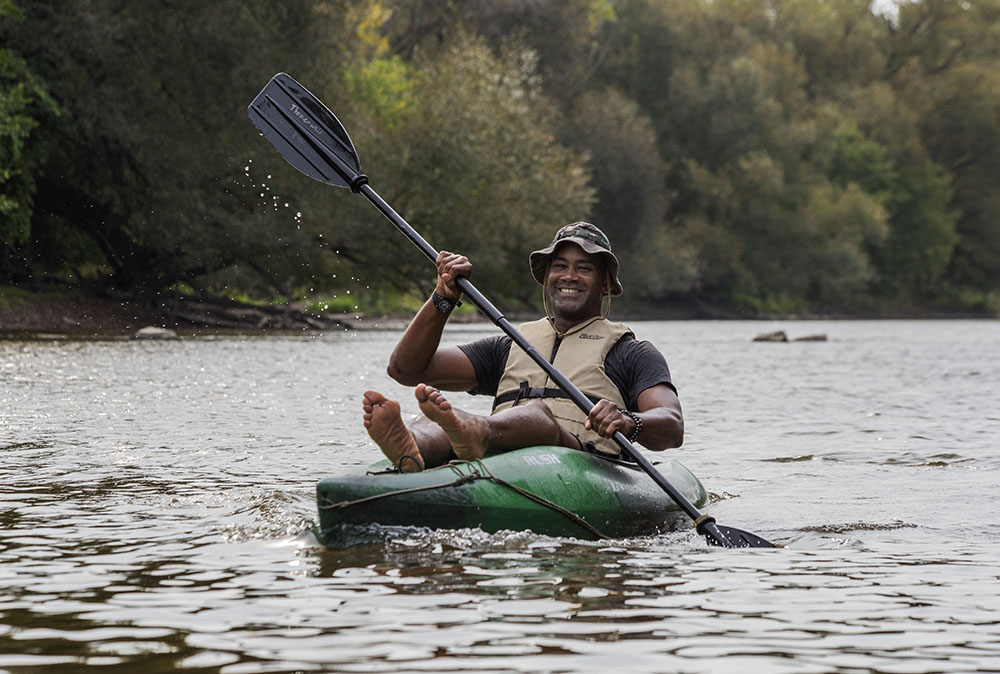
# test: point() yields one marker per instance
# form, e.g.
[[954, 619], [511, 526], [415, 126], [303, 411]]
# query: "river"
[[156, 500]]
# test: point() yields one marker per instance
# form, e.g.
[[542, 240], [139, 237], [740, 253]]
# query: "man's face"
[[575, 282]]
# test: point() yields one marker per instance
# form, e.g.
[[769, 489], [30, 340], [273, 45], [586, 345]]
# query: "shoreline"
[[58, 316]]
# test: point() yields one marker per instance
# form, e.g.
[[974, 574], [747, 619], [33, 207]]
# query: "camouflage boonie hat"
[[588, 237]]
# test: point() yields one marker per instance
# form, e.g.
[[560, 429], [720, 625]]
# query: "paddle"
[[314, 141]]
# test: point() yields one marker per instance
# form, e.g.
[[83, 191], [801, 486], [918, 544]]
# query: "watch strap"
[[443, 304]]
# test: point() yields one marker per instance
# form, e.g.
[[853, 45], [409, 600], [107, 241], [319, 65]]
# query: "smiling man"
[[627, 379]]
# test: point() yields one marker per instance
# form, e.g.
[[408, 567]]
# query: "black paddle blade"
[[728, 537], [306, 133]]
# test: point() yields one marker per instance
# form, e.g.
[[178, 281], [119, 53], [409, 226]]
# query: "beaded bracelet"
[[638, 425]]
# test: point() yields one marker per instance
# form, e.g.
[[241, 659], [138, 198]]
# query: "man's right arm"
[[419, 358]]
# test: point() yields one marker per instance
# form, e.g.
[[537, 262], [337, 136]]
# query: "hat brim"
[[539, 260]]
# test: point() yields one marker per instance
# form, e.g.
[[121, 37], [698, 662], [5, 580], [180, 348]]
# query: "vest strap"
[[525, 392]]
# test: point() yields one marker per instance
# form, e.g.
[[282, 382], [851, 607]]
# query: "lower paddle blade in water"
[[737, 538]]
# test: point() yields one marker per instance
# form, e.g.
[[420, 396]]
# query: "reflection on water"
[[157, 498]]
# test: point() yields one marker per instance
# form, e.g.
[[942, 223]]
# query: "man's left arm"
[[640, 371], [662, 418], [659, 412]]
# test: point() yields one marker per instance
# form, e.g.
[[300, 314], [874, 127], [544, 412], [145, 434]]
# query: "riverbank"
[[24, 312], [68, 313], [30, 312]]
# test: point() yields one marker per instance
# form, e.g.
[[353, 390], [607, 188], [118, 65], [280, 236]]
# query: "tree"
[[144, 190], [25, 107], [472, 159], [777, 154], [631, 190], [962, 130], [568, 35]]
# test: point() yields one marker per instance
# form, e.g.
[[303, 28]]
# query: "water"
[[156, 497]]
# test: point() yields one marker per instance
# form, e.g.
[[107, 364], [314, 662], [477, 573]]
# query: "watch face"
[[443, 304]]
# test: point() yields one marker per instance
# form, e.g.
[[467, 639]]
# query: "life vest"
[[579, 354]]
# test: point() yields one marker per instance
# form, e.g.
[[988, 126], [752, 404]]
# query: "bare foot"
[[467, 433], [386, 428]]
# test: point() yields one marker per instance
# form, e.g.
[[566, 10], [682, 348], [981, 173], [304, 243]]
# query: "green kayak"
[[553, 491]]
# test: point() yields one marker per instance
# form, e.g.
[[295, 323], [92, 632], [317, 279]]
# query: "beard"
[[574, 307]]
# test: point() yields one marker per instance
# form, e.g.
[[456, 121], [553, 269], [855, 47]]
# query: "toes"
[[441, 401], [373, 398], [432, 397]]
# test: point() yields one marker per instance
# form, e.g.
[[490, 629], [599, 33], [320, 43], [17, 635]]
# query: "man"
[[628, 380]]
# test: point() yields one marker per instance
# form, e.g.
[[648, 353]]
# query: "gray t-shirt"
[[632, 365]]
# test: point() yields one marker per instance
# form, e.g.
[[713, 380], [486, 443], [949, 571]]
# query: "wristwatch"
[[443, 304]]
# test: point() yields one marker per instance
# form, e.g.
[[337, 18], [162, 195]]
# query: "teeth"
[[569, 291]]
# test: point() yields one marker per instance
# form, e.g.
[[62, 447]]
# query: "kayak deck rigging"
[[476, 472], [553, 491]]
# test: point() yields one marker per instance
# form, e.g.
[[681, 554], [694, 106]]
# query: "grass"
[[14, 297], [371, 302]]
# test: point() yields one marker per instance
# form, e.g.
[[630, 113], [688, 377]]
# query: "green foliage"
[[475, 166], [798, 144], [632, 197], [773, 155], [913, 253], [861, 161], [962, 129], [154, 139], [25, 105], [373, 303], [840, 226]]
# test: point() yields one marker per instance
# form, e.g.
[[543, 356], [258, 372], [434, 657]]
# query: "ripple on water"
[[156, 503]]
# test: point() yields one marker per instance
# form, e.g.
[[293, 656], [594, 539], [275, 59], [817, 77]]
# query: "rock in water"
[[153, 332], [776, 336]]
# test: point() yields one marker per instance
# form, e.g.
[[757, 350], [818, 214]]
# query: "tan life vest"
[[580, 356]]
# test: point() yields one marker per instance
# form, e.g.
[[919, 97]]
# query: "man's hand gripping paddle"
[[314, 141]]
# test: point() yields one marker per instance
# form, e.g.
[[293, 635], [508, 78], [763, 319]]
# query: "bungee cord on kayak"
[[478, 471]]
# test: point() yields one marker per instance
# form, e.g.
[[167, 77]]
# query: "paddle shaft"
[[705, 525]]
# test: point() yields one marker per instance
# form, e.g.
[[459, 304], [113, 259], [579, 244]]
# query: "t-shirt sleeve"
[[489, 358], [635, 366]]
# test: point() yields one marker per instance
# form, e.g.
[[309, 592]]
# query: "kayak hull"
[[552, 491]]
